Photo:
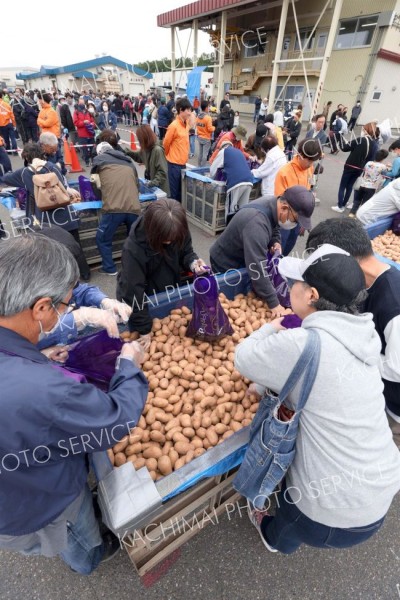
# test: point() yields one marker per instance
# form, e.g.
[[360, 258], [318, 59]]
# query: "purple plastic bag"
[[291, 321], [85, 189], [94, 357], [278, 282], [21, 196], [209, 320], [396, 224]]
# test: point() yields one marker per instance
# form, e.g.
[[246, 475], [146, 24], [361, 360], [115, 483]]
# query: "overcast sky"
[[126, 30]]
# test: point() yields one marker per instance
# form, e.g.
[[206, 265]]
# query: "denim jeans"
[[108, 225], [290, 528], [85, 547], [288, 239], [8, 134], [346, 186], [192, 142], [204, 147], [175, 181]]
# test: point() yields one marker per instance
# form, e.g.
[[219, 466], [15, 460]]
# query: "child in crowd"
[[236, 120], [372, 180]]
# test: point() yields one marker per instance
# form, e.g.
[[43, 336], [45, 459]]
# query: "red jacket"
[[79, 117]]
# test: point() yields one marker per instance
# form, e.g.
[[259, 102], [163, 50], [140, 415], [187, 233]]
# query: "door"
[[320, 49], [285, 51]]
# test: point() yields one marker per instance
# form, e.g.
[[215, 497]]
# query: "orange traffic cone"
[[76, 165], [67, 154], [133, 141]]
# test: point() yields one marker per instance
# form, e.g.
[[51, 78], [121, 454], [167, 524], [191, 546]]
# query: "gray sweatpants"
[[236, 198], [204, 146]]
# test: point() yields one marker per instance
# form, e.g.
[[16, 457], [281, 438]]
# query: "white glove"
[[95, 317], [199, 266], [145, 341], [133, 351], [119, 309], [56, 353]]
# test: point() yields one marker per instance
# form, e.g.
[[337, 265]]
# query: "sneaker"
[[111, 546], [352, 215], [112, 273], [337, 209], [317, 201], [256, 516]]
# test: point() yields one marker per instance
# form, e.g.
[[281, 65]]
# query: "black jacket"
[[245, 243], [145, 272], [293, 128], [31, 113], [361, 151], [66, 118]]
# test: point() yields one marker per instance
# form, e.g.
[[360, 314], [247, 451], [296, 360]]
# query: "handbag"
[[272, 443]]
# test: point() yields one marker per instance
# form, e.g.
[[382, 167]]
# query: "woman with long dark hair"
[[361, 151], [152, 156], [158, 249]]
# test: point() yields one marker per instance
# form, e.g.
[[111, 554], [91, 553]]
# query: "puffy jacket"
[[81, 115], [164, 116], [48, 120], [119, 182], [6, 114], [107, 120], [31, 113]]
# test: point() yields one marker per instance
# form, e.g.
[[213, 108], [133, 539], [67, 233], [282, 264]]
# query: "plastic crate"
[[204, 199], [379, 228]]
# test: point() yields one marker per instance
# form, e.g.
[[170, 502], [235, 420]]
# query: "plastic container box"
[[204, 199]]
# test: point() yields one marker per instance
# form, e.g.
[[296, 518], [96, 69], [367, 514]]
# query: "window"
[[354, 33], [304, 34], [376, 96], [253, 48]]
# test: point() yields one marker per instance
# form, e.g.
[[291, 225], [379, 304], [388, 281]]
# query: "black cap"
[[302, 201], [332, 271]]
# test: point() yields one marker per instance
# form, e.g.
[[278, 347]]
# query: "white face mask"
[[287, 225], [91, 110], [45, 334], [105, 108]]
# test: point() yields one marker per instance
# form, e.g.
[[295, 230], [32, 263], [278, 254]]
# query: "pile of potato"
[[387, 245], [196, 397]]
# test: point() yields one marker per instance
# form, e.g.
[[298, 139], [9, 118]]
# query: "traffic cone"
[[67, 154], [133, 141], [76, 165]]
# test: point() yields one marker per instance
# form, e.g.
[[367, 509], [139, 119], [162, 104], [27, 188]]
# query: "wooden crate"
[[178, 520]]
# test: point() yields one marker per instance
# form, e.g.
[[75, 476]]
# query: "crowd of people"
[[349, 303]]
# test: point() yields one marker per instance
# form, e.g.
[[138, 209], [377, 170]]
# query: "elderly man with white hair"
[[49, 420], [52, 151], [115, 176]]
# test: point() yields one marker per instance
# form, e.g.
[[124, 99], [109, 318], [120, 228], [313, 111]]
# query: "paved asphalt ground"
[[226, 561]]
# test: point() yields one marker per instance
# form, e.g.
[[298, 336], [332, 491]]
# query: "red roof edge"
[[387, 55], [196, 9]]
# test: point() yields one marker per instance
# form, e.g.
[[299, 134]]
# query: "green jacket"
[[155, 164]]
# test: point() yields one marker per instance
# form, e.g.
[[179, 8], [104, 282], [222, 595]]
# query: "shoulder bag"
[[273, 432]]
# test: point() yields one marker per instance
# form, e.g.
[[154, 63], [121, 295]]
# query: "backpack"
[[49, 192]]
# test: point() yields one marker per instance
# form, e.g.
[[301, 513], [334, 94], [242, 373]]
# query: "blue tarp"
[[194, 83]]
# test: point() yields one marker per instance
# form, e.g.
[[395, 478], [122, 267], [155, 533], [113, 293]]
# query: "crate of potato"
[[387, 245], [197, 399]]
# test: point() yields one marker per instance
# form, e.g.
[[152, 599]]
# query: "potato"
[[139, 463], [188, 432], [212, 437], [151, 464], [173, 456], [179, 463], [183, 448], [165, 465], [152, 452], [121, 445], [157, 436], [133, 449], [159, 402], [185, 421], [199, 452], [119, 459]]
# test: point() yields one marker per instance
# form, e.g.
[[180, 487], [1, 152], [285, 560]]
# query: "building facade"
[[307, 52], [103, 74]]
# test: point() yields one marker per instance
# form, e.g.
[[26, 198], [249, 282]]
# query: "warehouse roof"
[[83, 66], [194, 10]]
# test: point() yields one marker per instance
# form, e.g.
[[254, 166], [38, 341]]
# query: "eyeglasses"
[[71, 306]]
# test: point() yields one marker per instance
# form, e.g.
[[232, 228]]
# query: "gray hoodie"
[[346, 468]]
